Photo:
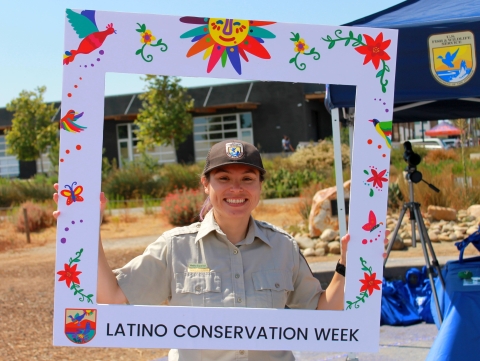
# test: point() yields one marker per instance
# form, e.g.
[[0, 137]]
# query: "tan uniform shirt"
[[265, 270]]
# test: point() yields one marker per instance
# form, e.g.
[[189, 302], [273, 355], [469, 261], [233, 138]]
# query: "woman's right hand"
[[103, 202]]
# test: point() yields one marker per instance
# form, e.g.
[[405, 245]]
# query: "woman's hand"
[[103, 202], [344, 246]]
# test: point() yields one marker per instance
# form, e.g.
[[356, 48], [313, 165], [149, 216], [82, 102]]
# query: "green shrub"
[[39, 217], [182, 207], [283, 183], [179, 176], [16, 191], [319, 157], [133, 181]]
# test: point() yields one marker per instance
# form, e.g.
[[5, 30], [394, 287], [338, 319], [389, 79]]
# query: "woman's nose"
[[236, 186]]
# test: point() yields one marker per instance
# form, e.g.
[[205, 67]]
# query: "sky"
[[31, 33]]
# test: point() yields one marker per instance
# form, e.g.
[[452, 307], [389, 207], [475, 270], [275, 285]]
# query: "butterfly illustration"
[[372, 223], [73, 195]]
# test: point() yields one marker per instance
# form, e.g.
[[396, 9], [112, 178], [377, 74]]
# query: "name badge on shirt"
[[198, 267]]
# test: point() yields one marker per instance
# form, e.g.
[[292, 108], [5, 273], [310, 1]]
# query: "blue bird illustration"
[[449, 58], [78, 318]]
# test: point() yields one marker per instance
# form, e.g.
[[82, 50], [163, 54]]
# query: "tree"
[[32, 129], [164, 118]]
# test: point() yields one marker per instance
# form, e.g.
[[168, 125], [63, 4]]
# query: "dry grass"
[[281, 215]]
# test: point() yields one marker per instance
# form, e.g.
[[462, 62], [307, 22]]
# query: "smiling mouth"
[[235, 201], [226, 39]]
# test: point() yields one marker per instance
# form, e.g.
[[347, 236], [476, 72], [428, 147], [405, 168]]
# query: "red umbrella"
[[443, 129]]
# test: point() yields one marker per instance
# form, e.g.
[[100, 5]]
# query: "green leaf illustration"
[[138, 52], [371, 192]]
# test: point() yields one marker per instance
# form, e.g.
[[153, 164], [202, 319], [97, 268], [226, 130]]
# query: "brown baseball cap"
[[233, 152]]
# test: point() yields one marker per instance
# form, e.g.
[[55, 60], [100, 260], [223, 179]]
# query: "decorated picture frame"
[[97, 42]]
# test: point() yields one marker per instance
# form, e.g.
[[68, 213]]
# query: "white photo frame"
[[111, 42]]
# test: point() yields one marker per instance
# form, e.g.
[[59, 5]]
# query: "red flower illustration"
[[69, 274], [370, 283], [377, 178], [374, 51]]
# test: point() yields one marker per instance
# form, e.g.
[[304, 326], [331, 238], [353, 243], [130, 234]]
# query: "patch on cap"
[[234, 150]]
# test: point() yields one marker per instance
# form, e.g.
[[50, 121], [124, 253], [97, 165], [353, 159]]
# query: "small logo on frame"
[[234, 150], [80, 324], [452, 57]]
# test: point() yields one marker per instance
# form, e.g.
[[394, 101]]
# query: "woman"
[[227, 260]]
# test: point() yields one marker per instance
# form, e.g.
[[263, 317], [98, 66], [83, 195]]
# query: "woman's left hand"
[[344, 246]]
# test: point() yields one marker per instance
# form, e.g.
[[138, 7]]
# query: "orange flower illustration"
[[147, 37], [301, 46]]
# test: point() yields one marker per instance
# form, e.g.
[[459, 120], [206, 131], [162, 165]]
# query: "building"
[[257, 112]]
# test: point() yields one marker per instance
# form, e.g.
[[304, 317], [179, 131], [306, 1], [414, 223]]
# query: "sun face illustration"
[[227, 39]]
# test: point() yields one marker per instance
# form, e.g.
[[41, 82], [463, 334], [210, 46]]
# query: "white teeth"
[[235, 201]]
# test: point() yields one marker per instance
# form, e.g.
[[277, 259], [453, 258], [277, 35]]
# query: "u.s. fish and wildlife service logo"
[[80, 324], [452, 57], [234, 150]]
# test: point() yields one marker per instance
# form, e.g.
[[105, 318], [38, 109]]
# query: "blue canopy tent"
[[419, 95]]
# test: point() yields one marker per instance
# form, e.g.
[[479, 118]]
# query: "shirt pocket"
[[271, 288], [198, 289]]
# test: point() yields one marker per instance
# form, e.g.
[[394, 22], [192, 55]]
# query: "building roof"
[[207, 99]]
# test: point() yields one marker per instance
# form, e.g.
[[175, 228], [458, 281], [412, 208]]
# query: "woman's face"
[[234, 190]]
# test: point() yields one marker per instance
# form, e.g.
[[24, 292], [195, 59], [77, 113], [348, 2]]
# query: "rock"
[[444, 237], [433, 236], [460, 229], [328, 235], [459, 235], [305, 242], [309, 252], [452, 237], [405, 234], [320, 252], [462, 213], [435, 226], [472, 230], [321, 245], [334, 247], [470, 219], [398, 243], [474, 211], [321, 213], [447, 228], [407, 242]]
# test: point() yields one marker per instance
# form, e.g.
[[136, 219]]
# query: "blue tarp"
[[416, 21]]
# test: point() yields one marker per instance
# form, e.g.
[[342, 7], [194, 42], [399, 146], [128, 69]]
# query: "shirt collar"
[[209, 225]]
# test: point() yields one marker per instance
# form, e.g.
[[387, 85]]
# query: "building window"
[[127, 147], [9, 166], [210, 130]]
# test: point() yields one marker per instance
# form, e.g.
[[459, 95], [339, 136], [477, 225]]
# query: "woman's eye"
[[236, 23], [219, 22]]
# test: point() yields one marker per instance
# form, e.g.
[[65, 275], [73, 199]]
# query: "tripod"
[[416, 217]]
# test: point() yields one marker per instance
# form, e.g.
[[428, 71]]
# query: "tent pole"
[[337, 151]]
